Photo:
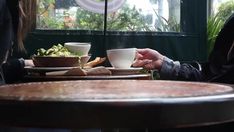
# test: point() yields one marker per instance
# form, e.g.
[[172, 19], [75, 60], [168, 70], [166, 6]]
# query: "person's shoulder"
[[2, 3], [2, 6], [229, 22]]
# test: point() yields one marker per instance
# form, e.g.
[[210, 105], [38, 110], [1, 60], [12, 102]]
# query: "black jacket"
[[221, 61], [12, 69], [7, 33], [220, 66]]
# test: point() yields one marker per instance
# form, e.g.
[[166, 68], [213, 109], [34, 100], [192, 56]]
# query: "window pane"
[[66, 14], [146, 15], [220, 11], [222, 8], [123, 15]]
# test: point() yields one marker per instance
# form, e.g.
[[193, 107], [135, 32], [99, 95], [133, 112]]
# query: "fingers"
[[142, 51], [148, 58], [138, 56], [141, 54], [148, 64], [141, 63]]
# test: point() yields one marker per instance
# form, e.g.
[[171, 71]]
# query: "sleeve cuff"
[[22, 64], [169, 69], [13, 70]]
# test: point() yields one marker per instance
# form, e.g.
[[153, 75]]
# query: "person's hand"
[[28, 63], [149, 59]]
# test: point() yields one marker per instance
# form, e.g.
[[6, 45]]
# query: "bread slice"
[[98, 71], [76, 72], [95, 62]]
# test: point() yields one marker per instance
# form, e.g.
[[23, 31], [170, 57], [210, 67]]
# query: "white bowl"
[[121, 58], [78, 47]]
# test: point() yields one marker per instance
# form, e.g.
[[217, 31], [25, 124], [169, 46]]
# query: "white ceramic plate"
[[46, 69], [128, 71]]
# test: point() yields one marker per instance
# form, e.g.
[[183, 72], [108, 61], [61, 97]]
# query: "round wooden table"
[[116, 104]]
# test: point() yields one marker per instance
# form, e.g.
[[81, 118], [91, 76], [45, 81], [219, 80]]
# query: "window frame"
[[193, 27]]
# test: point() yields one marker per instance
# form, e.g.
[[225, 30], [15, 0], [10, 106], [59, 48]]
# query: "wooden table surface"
[[116, 104]]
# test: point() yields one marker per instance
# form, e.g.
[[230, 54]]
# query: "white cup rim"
[[77, 43], [122, 49]]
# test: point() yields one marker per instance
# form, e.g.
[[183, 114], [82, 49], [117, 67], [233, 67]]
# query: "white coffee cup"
[[121, 58], [78, 47]]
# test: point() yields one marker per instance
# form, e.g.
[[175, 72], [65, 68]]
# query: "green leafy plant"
[[45, 7], [225, 10], [51, 23], [216, 22], [165, 25], [127, 19], [214, 25], [168, 25]]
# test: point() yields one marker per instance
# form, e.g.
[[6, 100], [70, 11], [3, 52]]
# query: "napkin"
[[81, 72]]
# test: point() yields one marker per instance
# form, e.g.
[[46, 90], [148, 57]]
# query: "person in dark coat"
[[219, 68]]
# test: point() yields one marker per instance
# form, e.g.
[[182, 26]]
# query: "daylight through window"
[[123, 15]]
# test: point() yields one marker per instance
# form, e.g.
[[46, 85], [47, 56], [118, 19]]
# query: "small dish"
[[78, 47]]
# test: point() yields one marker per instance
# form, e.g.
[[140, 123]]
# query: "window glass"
[[222, 8], [123, 15], [220, 11], [146, 15]]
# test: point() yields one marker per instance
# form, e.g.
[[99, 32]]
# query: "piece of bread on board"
[[95, 62], [76, 72], [98, 71]]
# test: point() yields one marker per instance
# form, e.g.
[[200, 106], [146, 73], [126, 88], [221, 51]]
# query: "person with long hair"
[[11, 40]]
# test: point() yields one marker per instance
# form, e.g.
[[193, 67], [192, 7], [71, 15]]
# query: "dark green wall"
[[188, 45], [177, 47]]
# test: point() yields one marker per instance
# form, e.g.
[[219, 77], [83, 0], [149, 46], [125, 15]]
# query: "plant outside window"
[[123, 15]]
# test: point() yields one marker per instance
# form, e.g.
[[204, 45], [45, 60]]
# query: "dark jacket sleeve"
[[219, 68], [173, 70], [13, 70]]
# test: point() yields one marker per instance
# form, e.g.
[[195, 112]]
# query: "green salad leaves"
[[56, 51]]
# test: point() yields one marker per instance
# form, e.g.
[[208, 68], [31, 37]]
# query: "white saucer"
[[125, 71]]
